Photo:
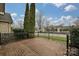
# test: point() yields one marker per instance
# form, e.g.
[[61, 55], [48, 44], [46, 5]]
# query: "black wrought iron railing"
[[11, 37], [72, 49]]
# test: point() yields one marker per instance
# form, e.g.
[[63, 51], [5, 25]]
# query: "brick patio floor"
[[33, 47]]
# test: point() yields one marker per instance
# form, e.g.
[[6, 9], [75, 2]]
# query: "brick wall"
[[2, 7]]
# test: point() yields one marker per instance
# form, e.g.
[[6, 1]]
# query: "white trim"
[[2, 13]]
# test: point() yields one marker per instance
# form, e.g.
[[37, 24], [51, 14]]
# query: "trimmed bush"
[[74, 37], [20, 34]]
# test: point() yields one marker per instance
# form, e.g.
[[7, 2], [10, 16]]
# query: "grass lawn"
[[56, 38]]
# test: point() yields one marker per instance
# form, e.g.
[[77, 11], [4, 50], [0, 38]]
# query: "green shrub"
[[20, 34], [30, 35], [74, 37]]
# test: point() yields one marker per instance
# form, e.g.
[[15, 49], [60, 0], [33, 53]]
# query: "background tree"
[[76, 23], [47, 22], [20, 24], [40, 21]]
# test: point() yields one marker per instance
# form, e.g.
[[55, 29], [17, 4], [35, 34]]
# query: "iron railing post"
[[0, 38], [38, 33], [67, 45], [48, 35]]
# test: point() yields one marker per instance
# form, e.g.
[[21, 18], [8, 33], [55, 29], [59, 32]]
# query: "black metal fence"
[[7, 37], [11, 37], [0, 38], [72, 50]]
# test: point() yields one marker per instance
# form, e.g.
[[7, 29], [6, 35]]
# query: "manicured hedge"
[[20, 34], [74, 37]]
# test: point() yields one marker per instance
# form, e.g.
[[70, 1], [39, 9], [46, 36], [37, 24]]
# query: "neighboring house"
[[5, 23], [5, 20], [61, 28]]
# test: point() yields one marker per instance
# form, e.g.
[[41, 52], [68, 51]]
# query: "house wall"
[[5, 27]]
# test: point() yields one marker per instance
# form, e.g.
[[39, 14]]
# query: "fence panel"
[[0, 38], [7, 37], [12, 37]]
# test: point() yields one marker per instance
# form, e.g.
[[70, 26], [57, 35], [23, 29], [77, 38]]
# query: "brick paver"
[[34, 47]]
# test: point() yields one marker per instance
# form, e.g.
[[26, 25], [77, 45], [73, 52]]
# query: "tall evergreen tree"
[[26, 19], [29, 20], [32, 17]]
